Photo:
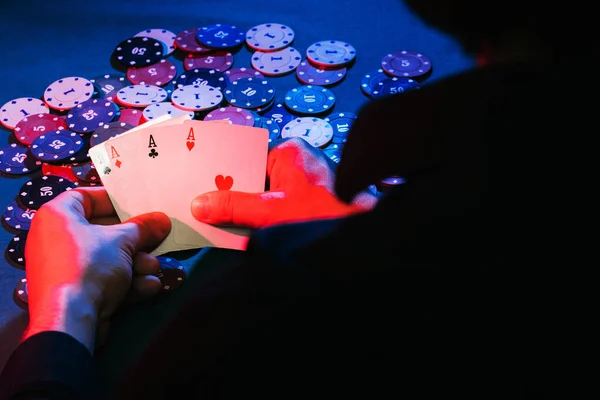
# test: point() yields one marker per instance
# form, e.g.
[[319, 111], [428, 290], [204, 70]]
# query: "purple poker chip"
[[18, 217], [236, 115], [91, 114], [186, 42], [158, 74], [409, 64], [219, 61], [16, 159], [238, 73], [310, 75]]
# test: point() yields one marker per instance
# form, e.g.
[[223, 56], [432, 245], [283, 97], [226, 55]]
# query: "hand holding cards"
[[163, 164]]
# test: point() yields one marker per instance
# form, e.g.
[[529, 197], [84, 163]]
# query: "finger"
[[365, 200], [143, 288], [145, 264], [237, 208], [145, 232], [89, 202], [107, 221]]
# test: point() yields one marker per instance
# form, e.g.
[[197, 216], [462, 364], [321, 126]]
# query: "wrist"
[[64, 309]]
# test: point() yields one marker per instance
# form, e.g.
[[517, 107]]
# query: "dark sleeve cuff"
[[50, 365]]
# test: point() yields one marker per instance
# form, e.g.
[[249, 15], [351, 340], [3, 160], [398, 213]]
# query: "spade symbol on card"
[[223, 182]]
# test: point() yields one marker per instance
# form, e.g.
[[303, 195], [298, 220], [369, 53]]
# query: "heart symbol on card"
[[190, 145], [223, 182]]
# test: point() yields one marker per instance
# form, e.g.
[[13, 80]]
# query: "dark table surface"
[[42, 41]]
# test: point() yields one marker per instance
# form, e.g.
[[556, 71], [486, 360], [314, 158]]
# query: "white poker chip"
[[197, 97], [162, 35], [269, 37], [315, 131], [331, 53], [66, 93], [276, 63], [15, 110], [158, 109], [141, 95]]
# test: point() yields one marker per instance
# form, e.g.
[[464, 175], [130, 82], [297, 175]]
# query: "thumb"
[[145, 232], [226, 207]]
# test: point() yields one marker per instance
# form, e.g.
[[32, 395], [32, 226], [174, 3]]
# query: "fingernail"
[[200, 207]]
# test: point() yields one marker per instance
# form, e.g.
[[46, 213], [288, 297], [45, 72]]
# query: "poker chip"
[[21, 292], [202, 76], [131, 116], [333, 152], [66, 93], [220, 36], [219, 61], [237, 73], [86, 172], [12, 112], [372, 81], [269, 37], [158, 74], [330, 53], [157, 109], [138, 51], [276, 63], [18, 217], [249, 92], [316, 131], [280, 115], [15, 250], [394, 85], [60, 170], [341, 124], [32, 126], [164, 36], [309, 99], [109, 131], [273, 128], [141, 95], [390, 182], [186, 42], [197, 97], [235, 115], [310, 75], [16, 159], [107, 85], [80, 156], [56, 145], [40, 190], [171, 274], [404, 63], [89, 115]]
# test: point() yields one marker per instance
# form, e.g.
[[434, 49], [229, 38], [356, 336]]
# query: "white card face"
[[198, 157]]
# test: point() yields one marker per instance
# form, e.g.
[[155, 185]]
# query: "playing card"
[[197, 157]]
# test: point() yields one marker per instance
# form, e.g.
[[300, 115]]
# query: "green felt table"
[[43, 41]]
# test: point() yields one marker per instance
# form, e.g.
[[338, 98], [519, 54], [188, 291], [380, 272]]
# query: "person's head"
[[480, 24]]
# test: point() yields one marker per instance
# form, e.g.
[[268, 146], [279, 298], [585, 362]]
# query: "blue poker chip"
[[372, 81], [172, 273], [39, 190], [106, 86], [279, 114], [17, 159], [393, 86], [334, 152], [57, 145], [91, 114], [270, 125], [341, 123], [203, 76], [18, 217], [249, 93], [309, 100], [15, 250], [220, 36]]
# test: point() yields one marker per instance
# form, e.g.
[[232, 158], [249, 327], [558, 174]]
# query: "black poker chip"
[[15, 251], [172, 273], [108, 131], [21, 293], [18, 217], [39, 190], [138, 51], [203, 76], [387, 184]]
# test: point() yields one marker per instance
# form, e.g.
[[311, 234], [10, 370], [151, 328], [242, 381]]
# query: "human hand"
[[301, 180], [81, 262]]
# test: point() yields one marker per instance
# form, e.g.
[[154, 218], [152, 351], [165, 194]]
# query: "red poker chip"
[[131, 116], [64, 171], [157, 74], [219, 61], [31, 127]]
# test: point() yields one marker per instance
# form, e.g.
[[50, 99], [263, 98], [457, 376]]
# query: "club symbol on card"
[[190, 145], [153, 153], [223, 182]]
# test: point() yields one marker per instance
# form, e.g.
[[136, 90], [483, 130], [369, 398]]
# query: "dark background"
[[42, 41]]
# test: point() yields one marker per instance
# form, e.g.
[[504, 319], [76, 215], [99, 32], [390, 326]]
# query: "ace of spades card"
[[183, 161]]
